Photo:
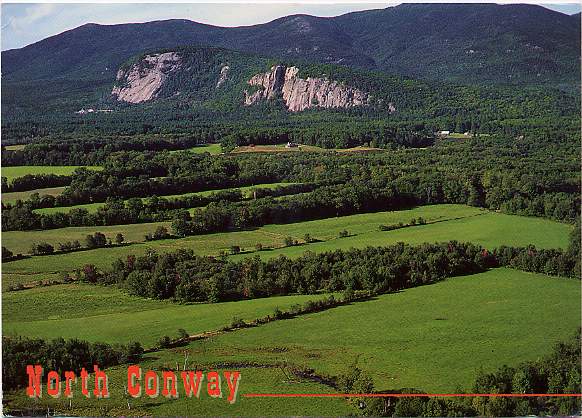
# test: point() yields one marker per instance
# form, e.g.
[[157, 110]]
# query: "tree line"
[[21, 216], [60, 355], [34, 181], [185, 277]]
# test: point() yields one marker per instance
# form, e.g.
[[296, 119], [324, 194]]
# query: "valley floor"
[[434, 338]]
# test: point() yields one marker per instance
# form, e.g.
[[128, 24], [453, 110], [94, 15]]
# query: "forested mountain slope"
[[459, 42], [176, 89]]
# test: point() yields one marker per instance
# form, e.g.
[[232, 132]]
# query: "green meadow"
[[444, 223], [431, 337], [14, 196], [258, 379], [98, 313], [212, 149], [20, 241], [19, 171], [485, 228], [18, 147]]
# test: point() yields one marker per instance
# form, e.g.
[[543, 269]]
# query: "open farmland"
[[471, 322], [20, 241], [17, 147], [444, 223], [97, 313], [431, 337], [212, 149], [14, 196], [13, 172], [276, 148], [257, 379], [300, 148]]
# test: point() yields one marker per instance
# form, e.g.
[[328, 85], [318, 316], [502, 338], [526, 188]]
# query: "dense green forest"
[[402, 111]]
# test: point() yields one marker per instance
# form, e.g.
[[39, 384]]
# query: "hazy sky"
[[23, 24]]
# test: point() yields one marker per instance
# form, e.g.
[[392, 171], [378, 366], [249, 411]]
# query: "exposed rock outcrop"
[[300, 94], [223, 75], [142, 81]]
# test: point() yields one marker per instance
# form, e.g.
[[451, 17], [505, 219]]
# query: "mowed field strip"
[[19, 171], [212, 149], [98, 313], [12, 197], [446, 222]]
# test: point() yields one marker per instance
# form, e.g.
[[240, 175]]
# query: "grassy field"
[[361, 148], [13, 172], [252, 380], [89, 207], [20, 241], [15, 147], [212, 149], [246, 190], [14, 196], [446, 222], [277, 148], [107, 314], [300, 148], [456, 222], [432, 337]]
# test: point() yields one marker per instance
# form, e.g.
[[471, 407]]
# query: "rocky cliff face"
[[142, 81], [300, 94]]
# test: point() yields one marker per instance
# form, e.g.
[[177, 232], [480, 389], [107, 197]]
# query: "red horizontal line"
[[408, 395]]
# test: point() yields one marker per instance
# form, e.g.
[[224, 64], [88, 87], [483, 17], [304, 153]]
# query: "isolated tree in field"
[[344, 234], [161, 232], [90, 241], [288, 241], [90, 273], [96, 240], [307, 238], [100, 239], [235, 249], [6, 253], [181, 223], [119, 238], [42, 248], [164, 342]]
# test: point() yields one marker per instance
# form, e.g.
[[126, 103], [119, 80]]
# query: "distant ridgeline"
[[293, 79]]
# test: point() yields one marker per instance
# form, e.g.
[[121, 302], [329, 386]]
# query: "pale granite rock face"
[[300, 94], [142, 81], [223, 75]]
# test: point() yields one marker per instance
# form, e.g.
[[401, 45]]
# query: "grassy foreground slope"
[[445, 222], [252, 380], [97, 313], [432, 337]]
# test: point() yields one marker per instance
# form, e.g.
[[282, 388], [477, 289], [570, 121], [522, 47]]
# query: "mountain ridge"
[[510, 43]]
